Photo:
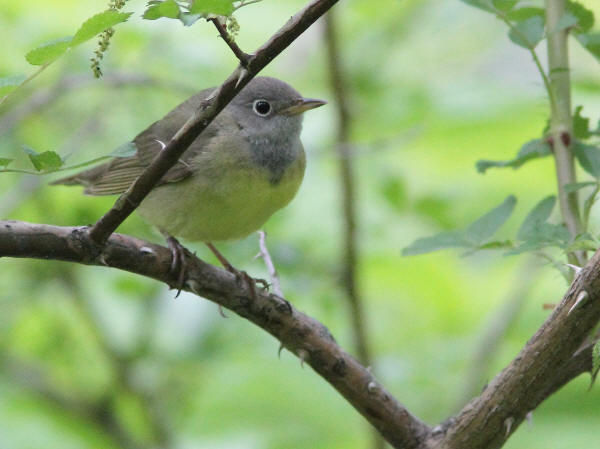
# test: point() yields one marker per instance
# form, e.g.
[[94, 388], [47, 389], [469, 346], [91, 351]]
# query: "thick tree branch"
[[129, 200], [299, 333], [548, 360], [558, 352]]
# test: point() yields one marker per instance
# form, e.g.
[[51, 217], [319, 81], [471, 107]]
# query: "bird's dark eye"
[[261, 107]]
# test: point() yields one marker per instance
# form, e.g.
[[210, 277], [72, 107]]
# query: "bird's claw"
[[178, 264]]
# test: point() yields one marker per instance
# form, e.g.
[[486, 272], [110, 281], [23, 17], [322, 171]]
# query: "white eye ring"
[[261, 107]]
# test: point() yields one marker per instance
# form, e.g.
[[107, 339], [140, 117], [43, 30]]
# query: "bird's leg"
[[178, 264], [251, 282]]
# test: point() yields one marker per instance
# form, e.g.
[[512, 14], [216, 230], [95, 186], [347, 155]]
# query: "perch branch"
[[297, 332]]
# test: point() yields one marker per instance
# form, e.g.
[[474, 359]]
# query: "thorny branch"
[[557, 353]]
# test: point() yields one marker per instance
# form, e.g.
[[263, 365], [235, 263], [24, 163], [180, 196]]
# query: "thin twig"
[[129, 200], [349, 259], [347, 184], [264, 253], [237, 51]]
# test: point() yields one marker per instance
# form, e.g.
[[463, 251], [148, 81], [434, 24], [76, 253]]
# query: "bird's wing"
[[116, 176]]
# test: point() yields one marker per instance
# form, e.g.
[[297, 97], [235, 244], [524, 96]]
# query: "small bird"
[[247, 164]]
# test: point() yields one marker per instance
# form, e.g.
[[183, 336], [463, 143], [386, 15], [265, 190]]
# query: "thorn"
[[146, 250], [575, 268], [162, 144], [580, 297], [279, 350], [303, 356], [529, 417], [222, 312], [243, 73], [508, 422]]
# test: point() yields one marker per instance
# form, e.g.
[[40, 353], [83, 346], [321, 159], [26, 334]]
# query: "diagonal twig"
[[237, 51], [129, 200]]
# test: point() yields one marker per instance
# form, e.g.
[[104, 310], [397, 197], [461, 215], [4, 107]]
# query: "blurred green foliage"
[[95, 358]]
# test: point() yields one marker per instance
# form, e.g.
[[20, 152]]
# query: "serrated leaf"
[[575, 186], [528, 33], [581, 124], [595, 362], [167, 8], [217, 7], [49, 51], [47, 160], [5, 161], [97, 24], [585, 17], [126, 150], [9, 83], [591, 42], [451, 239], [518, 15], [533, 149], [588, 157], [536, 217], [486, 226]]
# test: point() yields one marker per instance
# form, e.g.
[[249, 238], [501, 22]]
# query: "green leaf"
[[126, 150], [496, 244], [583, 242], [5, 161], [483, 228], [9, 83], [581, 125], [97, 24], [547, 234], [504, 5], [588, 157], [575, 186], [591, 42], [533, 149], [585, 17], [167, 8], [595, 362], [528, 33], [474, 237], [48, 160], [518, 15], [189, 19], [568, 20], [536, 218], [217, 7], [450, 239], [49, 51]]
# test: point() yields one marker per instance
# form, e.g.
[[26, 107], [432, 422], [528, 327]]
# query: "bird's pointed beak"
[[302, 105]]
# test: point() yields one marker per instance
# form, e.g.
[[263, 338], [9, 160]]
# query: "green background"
[[434, 86]]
